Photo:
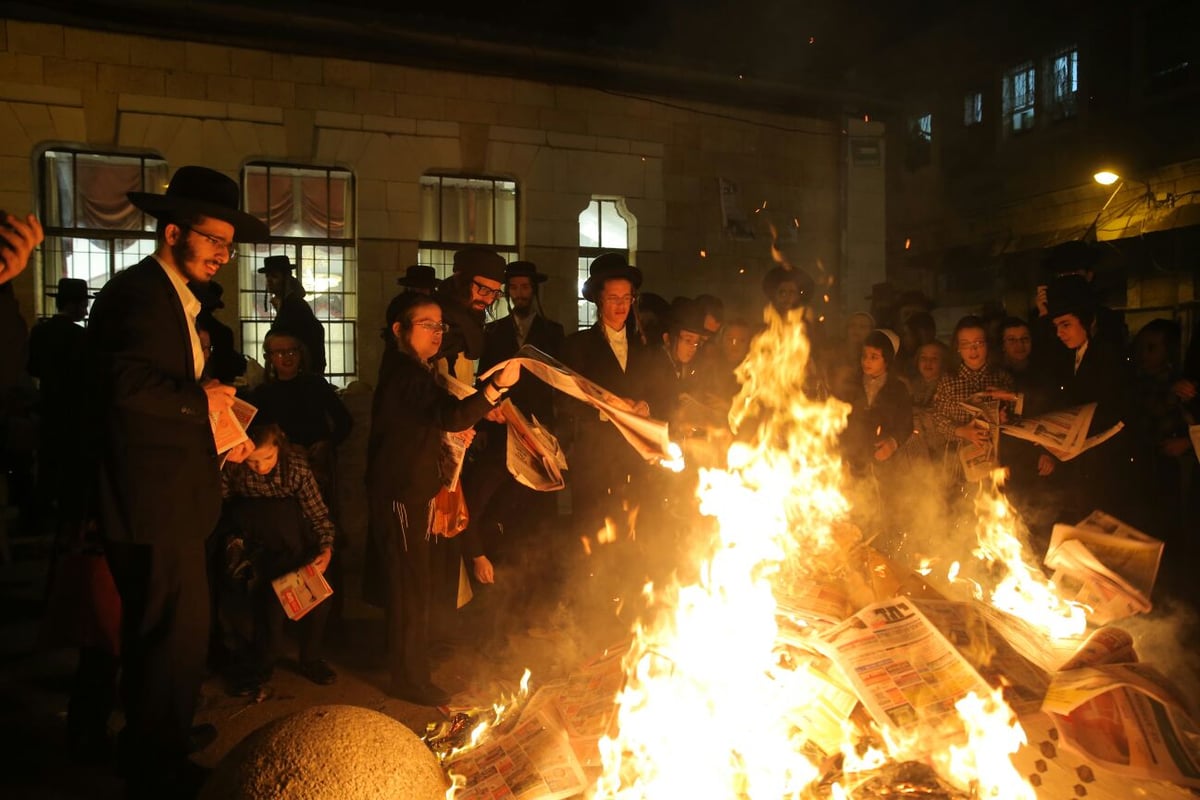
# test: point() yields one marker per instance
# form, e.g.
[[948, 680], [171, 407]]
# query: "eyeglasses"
[[432, 327], [618, 300], [486, 291], [287, 353], [230, 248]]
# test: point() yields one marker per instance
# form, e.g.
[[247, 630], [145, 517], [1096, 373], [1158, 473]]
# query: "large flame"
[[711, 709]]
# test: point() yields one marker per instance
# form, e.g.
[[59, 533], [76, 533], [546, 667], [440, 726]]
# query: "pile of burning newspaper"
[[880, 652]]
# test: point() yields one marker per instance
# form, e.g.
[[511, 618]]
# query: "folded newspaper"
[[229, 426], [301, 591], [1063, 433], [454, 443], [981, 460], [1105, 565], [648, 436], [533, 455]]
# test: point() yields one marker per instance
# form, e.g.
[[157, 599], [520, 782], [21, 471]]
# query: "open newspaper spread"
[[648, 436], [1104, 564], [1063, 433]]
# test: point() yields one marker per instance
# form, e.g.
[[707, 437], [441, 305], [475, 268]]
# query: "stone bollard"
[[332, 752]]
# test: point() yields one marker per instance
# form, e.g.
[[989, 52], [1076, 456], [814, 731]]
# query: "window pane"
[[506, 213], [614, 230], [430, 192], [589, 225]]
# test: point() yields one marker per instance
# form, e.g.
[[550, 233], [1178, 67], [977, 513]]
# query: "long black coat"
[[500, 343], [159, 474]]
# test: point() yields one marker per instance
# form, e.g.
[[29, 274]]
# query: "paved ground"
[[34, 684]]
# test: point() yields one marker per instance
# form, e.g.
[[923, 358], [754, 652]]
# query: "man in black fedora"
[[1071, 260], [418, 278], [159, 489], [603, 467], [293, 315], [56, 360], [466, 296], [492, 494]]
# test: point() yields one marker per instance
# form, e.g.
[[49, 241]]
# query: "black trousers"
[[164, 641], [413, 582]]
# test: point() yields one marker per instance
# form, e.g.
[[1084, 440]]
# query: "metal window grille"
[[1064, 90], [92, 230], [458, 211], [973, 109], [310, 214], [1020, 97]]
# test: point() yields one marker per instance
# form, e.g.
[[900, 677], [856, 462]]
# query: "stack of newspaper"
[[1105, 565]]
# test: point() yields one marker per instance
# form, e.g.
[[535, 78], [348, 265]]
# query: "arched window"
[[605, 226]]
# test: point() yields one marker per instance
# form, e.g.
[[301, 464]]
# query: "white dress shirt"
[[619, 343], [191, 308]]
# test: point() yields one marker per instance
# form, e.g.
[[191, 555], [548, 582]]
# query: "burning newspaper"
[[1126, 718], [906, 673], [1110, 566], [648, 436], [1063, 433], [535, 760]]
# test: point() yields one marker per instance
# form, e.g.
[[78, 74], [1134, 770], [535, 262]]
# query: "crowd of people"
[[193, 538]]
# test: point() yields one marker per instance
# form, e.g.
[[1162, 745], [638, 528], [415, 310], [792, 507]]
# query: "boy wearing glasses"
[[974, 376], [293, 315]]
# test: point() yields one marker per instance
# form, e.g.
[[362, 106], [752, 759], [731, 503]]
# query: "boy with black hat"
[[293, 315]]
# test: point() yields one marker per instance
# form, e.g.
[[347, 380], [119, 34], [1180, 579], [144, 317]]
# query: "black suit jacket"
[[159, 478], [588, 353], [500, 343]]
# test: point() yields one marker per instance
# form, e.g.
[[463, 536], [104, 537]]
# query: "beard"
[[523, 307], [183, 253]]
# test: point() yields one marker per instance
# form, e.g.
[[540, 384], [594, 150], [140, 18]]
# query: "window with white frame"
[[92, 230], [458, 211], [973, 109], [1064, 85], [605, 226], [1020, 97], [310, 214]]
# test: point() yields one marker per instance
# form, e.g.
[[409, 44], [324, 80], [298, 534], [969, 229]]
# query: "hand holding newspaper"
[[648, 436], [301, 591], [229, 426]]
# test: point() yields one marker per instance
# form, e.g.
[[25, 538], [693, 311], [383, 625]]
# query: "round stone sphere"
[[332, 752]]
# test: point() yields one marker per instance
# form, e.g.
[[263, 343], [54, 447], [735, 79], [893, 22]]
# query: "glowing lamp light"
[[1106, 177]]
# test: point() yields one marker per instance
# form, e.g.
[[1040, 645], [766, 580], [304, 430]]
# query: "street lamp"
[[1106, 177]]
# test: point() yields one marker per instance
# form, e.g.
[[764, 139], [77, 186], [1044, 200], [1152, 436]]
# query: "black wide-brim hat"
[[205, 192], [609, 267], [1070, 256], [1070, 294], [688, 315], [524, 269], [479, 262], [276, 264], [72, 289], [419, 276]]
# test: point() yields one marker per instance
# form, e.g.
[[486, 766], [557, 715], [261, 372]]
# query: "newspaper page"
[[301, 591], [533, 455], [1126, 718], [586, 702], [1063, 433], [454, 443], [980, 461], [1111, 574], [535, 760], [229, 426], [648, 436], [905, 672]]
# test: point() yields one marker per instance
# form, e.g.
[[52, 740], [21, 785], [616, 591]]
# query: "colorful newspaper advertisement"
[[229, 426], [454, 444], [533, 455], [301, 591], [1107, 566], [905, 672], [535, 760], [648, 436], [1126, 718]]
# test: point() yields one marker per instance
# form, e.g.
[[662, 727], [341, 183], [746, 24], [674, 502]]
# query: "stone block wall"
[[222, 107]]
